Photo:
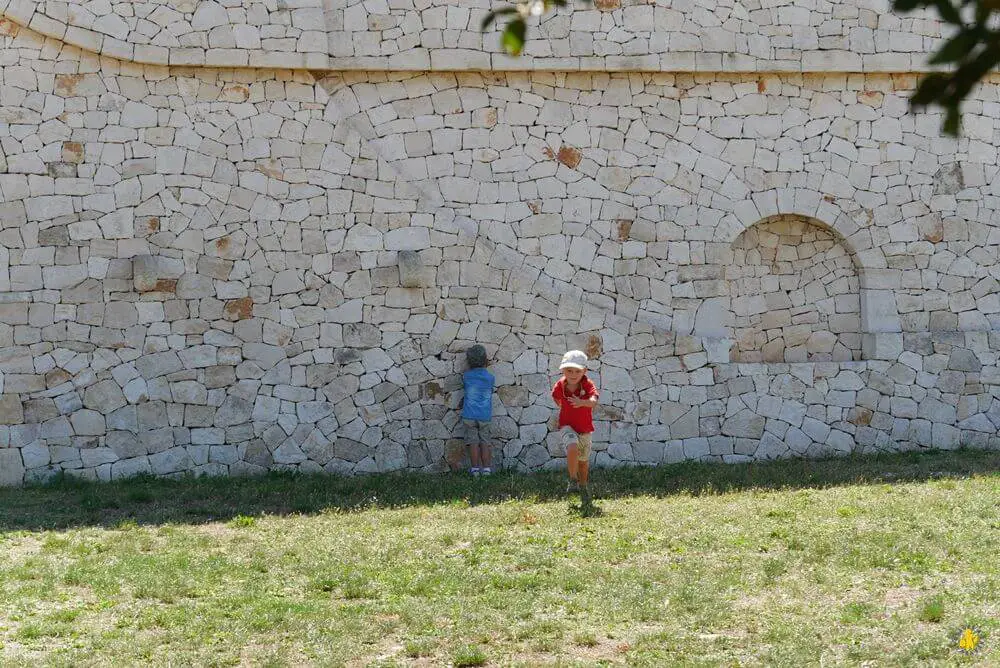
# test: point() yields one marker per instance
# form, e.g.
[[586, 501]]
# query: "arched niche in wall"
[[794, 292]]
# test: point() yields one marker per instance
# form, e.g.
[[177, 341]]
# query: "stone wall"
[[233, 33], [638, 35], [226, 271]]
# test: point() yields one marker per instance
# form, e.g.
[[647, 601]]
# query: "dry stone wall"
[[233, 33], [638, 35], [232, 270]]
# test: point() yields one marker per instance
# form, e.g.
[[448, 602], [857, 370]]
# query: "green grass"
[[858, 561]]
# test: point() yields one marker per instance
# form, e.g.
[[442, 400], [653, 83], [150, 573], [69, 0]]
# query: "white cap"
[[574, 359]]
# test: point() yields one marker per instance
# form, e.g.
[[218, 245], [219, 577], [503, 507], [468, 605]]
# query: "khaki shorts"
[[475, 432], [583, 442]]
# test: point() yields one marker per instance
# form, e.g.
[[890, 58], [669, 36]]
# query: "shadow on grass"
[[67, 503]]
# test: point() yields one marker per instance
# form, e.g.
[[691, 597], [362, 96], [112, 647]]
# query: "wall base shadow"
[[67, 503]]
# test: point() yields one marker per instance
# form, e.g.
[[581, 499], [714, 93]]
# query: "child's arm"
[[556, 395], [590, 401], [582, 403]]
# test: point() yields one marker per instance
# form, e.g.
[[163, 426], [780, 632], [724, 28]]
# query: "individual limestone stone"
[[313, 411], [87, 423], [412, 272], [129, 468], [105, 397], [234, 410], [744, 424], [11, 409], [286, 282], [11, 467], [962, 359], [35, 455], [170, 461]]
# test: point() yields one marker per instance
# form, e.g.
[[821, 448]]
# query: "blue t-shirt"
[[478, 395]]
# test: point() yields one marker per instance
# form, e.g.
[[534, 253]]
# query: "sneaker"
[[486, 470], [474, 472], [573, 486]]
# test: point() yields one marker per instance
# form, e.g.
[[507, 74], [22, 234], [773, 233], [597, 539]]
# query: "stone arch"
[[795, 294], [877, 281]]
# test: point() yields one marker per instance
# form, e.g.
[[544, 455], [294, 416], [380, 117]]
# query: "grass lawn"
[[867, 561]]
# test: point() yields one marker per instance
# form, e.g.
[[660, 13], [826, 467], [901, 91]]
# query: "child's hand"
[[577, 402]]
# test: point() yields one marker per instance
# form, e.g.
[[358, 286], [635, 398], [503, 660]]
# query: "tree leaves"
[[972, 52], [513, 37], [514, 34]]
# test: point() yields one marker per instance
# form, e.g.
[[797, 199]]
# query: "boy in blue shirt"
[[477, 410]]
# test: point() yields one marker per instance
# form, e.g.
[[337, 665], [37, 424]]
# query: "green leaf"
[[956, 48], [513, 37], [931, 89], [952, 121], [948, 11]]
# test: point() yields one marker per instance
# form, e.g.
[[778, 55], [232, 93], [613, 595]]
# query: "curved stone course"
[[245, 33]]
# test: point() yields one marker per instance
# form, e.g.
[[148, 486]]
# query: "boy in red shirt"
[[576, 396]]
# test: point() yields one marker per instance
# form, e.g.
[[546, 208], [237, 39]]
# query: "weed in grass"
[[419, 648], [358, 589], [243, 522], [468, 655], [39, 630], [325, 584], [932, 610], [585, 639], [857, 612], [774, 568]]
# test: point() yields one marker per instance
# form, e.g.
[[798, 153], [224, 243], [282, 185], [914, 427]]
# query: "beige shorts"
[[475, 432], [584, 443]]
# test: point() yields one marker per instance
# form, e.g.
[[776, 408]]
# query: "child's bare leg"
[[474, 455], [486, 455], [583, 468], [572, 461]]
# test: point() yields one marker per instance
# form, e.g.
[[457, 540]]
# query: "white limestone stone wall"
[[231, 270], [637, 35], [227, 33]]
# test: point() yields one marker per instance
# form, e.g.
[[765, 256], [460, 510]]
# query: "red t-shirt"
[[580, 419]]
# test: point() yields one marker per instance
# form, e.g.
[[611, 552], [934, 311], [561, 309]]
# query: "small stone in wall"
[[8, 28], [932, 231], [235, 93], [594, 347], [569, 156], [66, 84], [622, 229], [11, 411], [433, 390], [61, 170], [147, 226], [72, 151], [613, 413], [860, 416], [239, 309], [454, 453], [165, 285], [608, 5]]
